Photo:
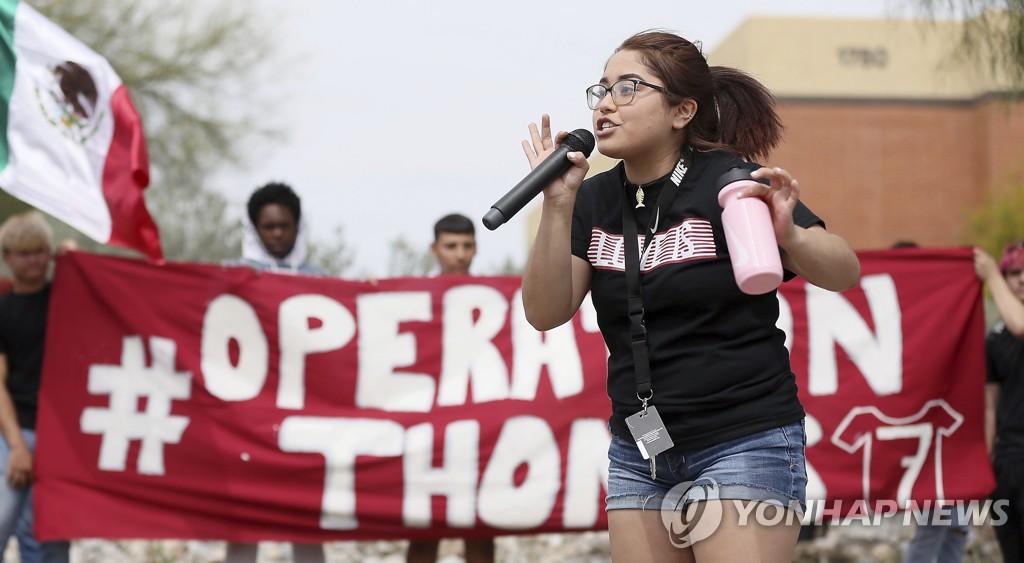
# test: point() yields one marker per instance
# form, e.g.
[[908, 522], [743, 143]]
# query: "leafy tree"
[[406, 259], [193, 69], [993, 33], [184, 63], [335, 257], [999, 220]]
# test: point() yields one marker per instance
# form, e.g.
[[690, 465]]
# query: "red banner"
[[196, 401]]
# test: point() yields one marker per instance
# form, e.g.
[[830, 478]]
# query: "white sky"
[[400, 111]]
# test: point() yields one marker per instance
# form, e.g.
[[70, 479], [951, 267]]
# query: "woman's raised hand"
[[541, 145]]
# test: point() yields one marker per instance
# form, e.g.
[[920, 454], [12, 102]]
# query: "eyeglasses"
[[622, 92]]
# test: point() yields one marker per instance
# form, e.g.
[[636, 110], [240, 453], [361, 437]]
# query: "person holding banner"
[[273, 241], [1005, 283], [1004, 392], [705, 414], [936, 540], [26, 240], [454, 248]]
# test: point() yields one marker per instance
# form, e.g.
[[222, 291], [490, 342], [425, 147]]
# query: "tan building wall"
[[855, 58]]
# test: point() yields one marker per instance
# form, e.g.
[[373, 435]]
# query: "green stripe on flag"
[[7, 61]]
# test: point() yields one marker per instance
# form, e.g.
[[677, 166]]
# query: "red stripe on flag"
[[125, 176]]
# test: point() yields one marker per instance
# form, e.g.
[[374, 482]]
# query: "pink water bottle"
[[749, 234]]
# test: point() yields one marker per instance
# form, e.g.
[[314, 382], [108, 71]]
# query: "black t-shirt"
[[719, 366], [1004, 355], [22, 332]]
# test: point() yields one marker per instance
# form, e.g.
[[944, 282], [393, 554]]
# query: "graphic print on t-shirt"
[[862, 426], [690, 240]]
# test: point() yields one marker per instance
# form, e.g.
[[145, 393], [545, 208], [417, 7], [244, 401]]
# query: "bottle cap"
[[735, 174]]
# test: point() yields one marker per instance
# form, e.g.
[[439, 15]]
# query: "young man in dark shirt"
[[26, 241]]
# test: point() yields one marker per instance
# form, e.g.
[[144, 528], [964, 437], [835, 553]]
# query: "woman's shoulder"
[[712, 164], [722, 157]]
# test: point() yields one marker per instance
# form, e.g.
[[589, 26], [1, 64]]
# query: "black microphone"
[[539, 178]]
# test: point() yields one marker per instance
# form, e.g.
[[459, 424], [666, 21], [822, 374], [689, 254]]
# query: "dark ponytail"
[[747, 121], [735, 112]]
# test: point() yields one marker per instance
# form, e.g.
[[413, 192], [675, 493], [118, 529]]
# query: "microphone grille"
[[580, 140]]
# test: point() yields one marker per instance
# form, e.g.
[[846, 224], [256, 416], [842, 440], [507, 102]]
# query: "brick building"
[[890, 135]]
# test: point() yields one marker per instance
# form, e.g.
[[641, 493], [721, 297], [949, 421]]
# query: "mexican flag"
[[72, 142]]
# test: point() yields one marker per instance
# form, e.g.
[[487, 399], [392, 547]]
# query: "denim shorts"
[[767, 467]]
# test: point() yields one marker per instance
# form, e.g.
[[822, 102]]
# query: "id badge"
[[649, 432]]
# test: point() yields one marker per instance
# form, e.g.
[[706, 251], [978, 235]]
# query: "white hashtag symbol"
[[122, 422]]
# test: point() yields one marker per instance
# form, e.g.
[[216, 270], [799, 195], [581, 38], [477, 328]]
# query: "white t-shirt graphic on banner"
[[863, 426]]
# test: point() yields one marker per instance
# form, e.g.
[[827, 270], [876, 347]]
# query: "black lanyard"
[[634, 293]]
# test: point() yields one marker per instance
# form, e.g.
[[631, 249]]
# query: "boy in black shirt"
[[26, 240]]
